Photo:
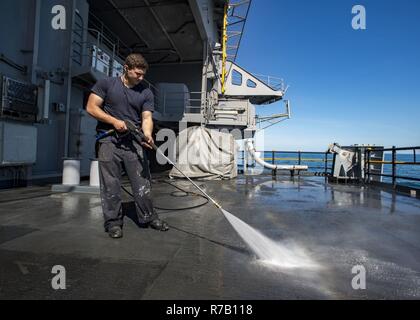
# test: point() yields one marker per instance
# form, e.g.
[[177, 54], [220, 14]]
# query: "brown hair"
[[136, 60]]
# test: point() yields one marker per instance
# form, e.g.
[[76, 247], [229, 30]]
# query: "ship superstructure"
[[57, 50]]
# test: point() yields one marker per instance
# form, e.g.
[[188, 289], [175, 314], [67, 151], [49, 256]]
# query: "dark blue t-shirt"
[[121, 102]]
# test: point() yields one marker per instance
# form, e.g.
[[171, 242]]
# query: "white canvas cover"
[[206, 154]]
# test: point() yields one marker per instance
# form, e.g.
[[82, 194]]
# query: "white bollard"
[[94, 173], [71, 172]]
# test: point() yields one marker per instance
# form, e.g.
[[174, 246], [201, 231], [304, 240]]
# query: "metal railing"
[[95, 24], [394, 163], [321, 166], [188, 102], [171, 102], [101, 50], [321, 163], [275, 83], [106, 49], [91, 53]]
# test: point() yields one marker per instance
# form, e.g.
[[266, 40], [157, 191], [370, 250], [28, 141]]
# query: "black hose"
[[173, 194]]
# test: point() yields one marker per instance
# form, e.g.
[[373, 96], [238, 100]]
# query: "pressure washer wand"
[[140, 137]]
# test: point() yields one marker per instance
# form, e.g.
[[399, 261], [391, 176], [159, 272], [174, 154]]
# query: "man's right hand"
[[120, 126]]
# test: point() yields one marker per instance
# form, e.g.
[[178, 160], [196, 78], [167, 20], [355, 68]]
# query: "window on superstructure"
[[251, 84], [236, 78]]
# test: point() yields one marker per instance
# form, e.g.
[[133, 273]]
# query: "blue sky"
[[346, 86]]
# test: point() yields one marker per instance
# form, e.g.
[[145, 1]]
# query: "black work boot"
[[160, 225], [115, 232]]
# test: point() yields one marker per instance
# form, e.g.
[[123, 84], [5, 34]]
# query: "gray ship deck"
[[202, 257]]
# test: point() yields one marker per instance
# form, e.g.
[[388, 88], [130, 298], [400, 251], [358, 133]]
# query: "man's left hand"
[[148, 141]]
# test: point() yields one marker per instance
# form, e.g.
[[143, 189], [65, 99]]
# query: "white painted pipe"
[[251, 149], [71, 172], [94, 173]]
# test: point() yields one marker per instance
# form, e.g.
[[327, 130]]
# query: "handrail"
[[326, 169], [94, 23], [189, 102], [394, 176], [275, 83], [89, 45], [400, 149]]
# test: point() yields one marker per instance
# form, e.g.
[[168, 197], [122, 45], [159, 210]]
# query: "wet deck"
[[202, 257]]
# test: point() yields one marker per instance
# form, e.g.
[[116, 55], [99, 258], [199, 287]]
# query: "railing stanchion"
[[394, 180], [326, 164], [364, 166], [299, 160], [274, 171]]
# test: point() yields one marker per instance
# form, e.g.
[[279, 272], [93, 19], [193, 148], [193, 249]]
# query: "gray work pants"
[[114, 155]]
